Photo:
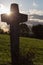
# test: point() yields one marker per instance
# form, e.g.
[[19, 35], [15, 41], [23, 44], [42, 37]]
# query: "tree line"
[[37, 31]]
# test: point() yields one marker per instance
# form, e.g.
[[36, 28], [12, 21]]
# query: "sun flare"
[[8, 13]]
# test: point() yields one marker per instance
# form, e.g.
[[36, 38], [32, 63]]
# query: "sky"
[[25, 6]]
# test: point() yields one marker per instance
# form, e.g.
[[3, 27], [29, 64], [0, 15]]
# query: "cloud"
[[34, 4], [24, 12], [4, 26], [4, 9], [34, 11], [36, 20], [2, 6], [35, 15]]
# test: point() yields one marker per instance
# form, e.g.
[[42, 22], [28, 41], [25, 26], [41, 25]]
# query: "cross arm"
[[23, 17], [5, 18], [8, 18]]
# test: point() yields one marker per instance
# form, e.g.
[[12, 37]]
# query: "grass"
[[36, 45], [4, 49], [25, 45]]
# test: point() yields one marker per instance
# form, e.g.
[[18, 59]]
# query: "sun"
[[8, 13], [4, 9]]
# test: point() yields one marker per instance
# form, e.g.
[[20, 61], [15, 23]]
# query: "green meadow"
[[26, 44]]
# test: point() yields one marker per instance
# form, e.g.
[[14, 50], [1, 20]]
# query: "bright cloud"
[[2, 6], [4, 26], [36, 20], [34, 11], [22, 11], [3, 9]]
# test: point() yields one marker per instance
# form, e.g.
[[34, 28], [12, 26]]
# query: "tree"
[[1, 31], [24, 30], [38, 30]]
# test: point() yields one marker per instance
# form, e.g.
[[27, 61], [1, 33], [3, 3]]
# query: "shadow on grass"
[[28, 58]]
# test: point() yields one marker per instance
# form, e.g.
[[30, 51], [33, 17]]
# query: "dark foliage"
[[38, 31], [1, 31], [24, 30]]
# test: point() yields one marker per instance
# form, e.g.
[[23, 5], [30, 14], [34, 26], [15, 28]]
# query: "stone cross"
[[14, 19]]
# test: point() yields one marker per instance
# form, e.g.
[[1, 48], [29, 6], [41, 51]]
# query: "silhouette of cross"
[[14, 19]]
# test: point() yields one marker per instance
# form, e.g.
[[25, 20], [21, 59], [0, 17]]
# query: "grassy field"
[[26, 44]]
